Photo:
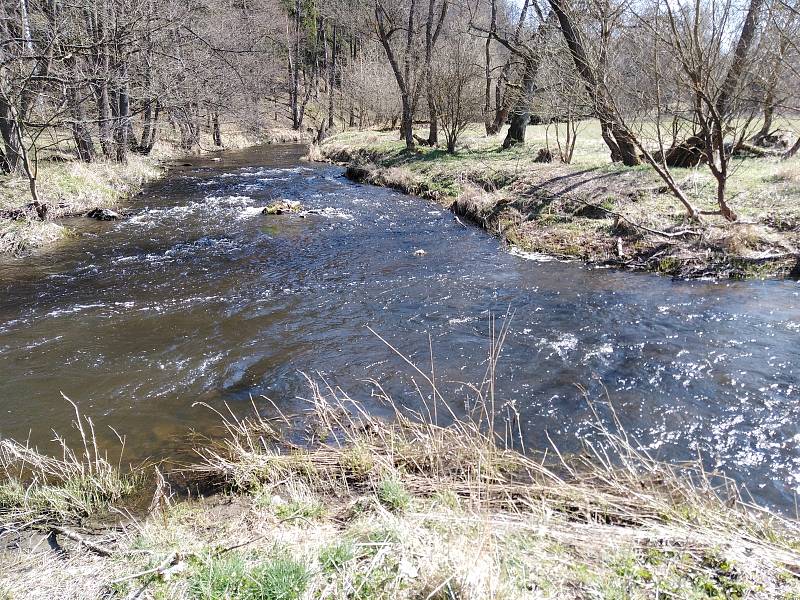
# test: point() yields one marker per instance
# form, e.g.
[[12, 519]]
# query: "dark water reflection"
[[198, 297]]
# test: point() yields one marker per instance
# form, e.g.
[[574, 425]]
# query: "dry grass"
[[73, 187], [39, 489], [67, 188], [18, 236], [470, 512], [406, 508]]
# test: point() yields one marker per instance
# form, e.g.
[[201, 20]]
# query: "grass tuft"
[[36, 488], [279, 577], [282, 578], [393, 495]]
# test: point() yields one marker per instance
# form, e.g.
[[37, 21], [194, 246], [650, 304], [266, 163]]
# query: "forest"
[[671, 85]]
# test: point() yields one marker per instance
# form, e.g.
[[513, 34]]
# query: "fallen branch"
[[75, 537], [768, 257], [757, 150], [666, 234], [172, 559]]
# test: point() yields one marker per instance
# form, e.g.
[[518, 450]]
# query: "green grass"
[[757, 185], [215, 578], [393, 495], [334, 557], [281, 578], [233, 575], [300, 509]]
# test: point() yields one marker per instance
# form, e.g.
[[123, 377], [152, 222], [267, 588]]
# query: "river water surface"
[[199, 297]]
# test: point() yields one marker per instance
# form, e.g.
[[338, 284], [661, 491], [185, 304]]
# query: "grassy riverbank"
[[370, 508], [593, 210], [69, 187]]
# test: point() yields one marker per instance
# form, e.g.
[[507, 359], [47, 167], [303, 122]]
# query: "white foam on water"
[[329, 212], [74, 309], [600, 351], [177, 213], [534, 256], [562, 345], [249, 211]]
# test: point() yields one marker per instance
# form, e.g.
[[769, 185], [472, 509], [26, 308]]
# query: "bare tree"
[[458, 91], [616, 137], [401, 18]]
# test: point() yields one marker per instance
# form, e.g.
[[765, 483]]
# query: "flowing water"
[[197, 297]]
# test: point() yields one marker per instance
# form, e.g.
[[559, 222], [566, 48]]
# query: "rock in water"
[[357, 173], [282, 207], [103, 214]]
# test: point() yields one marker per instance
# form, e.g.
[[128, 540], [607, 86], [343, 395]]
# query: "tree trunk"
[[501, 96], [734, 74], [120, 110], [80, 132], [148, 125], [615, 135], [77, 108], [608, 138], [403, 77], [433, 131], [217, 134], [104, 119], [627, 149], [521, 115], [407, 123], [769, 114], [431, 36], [487, 59], [8, 130], [332, 78], [793, 150], [723, 106], [295, 66]]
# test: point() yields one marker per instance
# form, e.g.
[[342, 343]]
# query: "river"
[[197, 296]]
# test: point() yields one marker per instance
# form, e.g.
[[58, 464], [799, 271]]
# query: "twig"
[[170, 560], [96, 548]]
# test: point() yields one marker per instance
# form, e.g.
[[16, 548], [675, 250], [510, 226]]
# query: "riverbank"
[[593, 210], [375, 508], [69, 187]]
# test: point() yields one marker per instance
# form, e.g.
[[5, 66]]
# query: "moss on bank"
[[593, 210], [370, 508]]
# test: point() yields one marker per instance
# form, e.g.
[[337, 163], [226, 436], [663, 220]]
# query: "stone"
[[777, 140], [357, 173], [103, 214], [282, 207], [544, 156]]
